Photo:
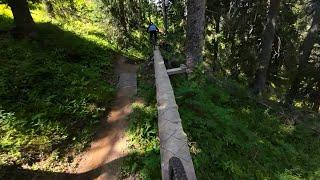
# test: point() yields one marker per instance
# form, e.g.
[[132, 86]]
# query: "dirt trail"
[[110, 145]]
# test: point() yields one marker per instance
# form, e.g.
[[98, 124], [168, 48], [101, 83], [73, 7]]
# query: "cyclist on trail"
[[153, 30]]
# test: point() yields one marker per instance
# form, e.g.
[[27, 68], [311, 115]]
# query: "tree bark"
[[195, 31], [165, 16], [316, 98], [24, 24], [123, 19], [216, 41], [304, 54], [266, 50]]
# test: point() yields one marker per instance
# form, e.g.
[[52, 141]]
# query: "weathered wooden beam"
[[179, 70], [173, 140]]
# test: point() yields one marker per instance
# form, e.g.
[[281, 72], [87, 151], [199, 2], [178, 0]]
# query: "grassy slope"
[[53, 91], [231, 136], [56, 83]]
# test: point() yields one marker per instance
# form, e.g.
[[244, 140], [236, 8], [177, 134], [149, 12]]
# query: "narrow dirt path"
[[103, 158]]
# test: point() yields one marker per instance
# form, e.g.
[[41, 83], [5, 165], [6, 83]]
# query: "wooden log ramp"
[[176, 162]]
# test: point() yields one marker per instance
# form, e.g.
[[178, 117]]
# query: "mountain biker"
[[153, 30]]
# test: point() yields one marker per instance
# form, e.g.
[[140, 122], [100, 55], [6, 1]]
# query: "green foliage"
[[142, 132], [123, 22], [6, 22], [55, 89], [236, 28], [233, 137], [143, 127], [53, 92]]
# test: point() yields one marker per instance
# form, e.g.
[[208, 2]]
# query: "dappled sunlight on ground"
[[111, 142]]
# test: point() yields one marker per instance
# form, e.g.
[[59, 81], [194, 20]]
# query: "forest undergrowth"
[[234, 136], [230, 135], [54, 90], [144, 161]]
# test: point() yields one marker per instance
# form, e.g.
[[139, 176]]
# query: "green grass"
[[53, 91], [144, 158], [233, 137]]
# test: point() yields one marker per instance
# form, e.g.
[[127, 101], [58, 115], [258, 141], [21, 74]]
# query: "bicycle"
[[153, 41], [176, 169]]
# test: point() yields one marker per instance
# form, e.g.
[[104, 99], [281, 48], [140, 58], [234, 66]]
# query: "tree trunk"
[[316, 98], [24, 24], [304, 54], [234, 68], [267, 41], [195, 31], [216, 41], [165, 16]]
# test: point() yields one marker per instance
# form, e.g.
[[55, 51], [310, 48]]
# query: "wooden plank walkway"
[[173, 140]]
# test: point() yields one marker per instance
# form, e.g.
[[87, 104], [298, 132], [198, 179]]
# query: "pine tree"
[[195, 31], [267, 41]]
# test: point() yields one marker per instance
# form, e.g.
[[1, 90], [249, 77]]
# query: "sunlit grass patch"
[[144, 160], [5, 10], [144, 143], [53, 90]]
